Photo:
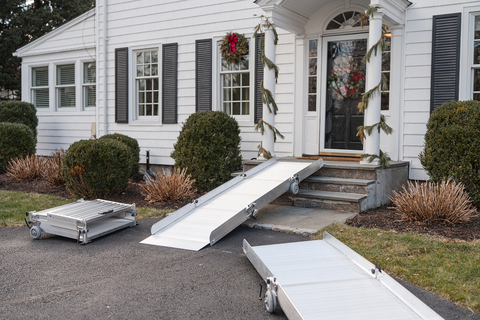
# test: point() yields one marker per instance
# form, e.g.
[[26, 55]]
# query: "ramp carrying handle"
[[28, 224], [105, 212]]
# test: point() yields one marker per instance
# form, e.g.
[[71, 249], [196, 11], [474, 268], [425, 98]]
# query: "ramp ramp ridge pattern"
[[212, 216], [325, 279]]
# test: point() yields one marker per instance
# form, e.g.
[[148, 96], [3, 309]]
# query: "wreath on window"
[[347, 81], [233, 46]]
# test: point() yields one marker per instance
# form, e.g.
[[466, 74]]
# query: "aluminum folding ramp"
[[212, 216], [82, 220], [325, 279]]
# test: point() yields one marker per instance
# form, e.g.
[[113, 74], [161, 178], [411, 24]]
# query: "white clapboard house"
[[141, 67]]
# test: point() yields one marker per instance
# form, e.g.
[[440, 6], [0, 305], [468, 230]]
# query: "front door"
[[345, 83]]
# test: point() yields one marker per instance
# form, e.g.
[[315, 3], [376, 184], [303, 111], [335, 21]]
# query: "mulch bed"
[[385, 218], [131, 195]]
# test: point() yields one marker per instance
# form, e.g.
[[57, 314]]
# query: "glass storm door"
[[345, 85]]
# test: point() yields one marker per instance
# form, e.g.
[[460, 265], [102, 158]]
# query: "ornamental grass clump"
[[168, 186], [444, 202], [52, 169], [26, 169]]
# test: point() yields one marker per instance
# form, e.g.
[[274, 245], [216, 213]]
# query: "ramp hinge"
[[252, 211], [377, 271]]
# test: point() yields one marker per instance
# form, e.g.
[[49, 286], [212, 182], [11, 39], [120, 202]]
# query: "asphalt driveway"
[[115, 277]]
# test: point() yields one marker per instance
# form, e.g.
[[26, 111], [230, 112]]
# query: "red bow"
[[232, 40]]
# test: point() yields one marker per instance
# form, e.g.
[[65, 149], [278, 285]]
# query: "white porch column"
[[374, 75], [269, 83]]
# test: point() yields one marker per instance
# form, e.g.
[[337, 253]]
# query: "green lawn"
[[450, 269], [14, 204]]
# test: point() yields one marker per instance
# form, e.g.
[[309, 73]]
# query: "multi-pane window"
[[66, 86], [312, 74], [346, 19], [40, 92], [146, 80], [386, 72], [235, 80], [476, 60], [89, 84]]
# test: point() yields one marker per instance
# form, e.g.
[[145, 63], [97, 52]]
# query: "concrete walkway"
[[296, 219]]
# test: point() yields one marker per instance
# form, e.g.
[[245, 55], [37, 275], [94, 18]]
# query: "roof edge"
[[20, 51]]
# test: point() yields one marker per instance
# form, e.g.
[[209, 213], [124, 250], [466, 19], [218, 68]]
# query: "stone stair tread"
[[344, 181], [328, 195]]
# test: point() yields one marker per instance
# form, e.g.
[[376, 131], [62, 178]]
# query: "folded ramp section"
[[82, 220], [325, 279], [212, 216]]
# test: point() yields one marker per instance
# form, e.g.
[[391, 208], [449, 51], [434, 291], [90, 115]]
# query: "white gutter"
[[105, 102]]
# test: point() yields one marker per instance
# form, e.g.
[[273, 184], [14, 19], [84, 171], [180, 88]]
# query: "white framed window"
[[476, 58], [65, 87], [386, 54], [40, 91], [312, 74], [89, 84], [147, 84], [235, 87], [348, 19]]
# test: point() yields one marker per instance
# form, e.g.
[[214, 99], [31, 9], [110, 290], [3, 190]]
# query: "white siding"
[[137, 24], [418, 49], [59, 128]]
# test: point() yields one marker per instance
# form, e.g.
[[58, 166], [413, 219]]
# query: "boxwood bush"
[[19, 112], [208, 146], [16, 140], [96, 168], [452, 145], [132, 145]]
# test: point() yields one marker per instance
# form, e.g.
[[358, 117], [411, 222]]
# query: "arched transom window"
[[346, 19]]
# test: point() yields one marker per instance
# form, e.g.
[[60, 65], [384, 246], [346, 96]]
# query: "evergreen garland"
[[382, 85], [384, 158], [267, 96]]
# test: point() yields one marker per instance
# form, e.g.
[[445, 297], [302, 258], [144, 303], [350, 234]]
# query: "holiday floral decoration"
[[347, 80], [233, 46]]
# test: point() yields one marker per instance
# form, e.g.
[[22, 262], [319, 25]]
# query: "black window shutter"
[[258, 79], [121, 85], [169, 83], [445, 59], [203, 75]]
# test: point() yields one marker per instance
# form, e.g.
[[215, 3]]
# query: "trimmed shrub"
[[26, 169], [444, 202], [132, 145], [168, 186], [208, 147], [96, 168], [452, 145], [19, 112], [16, 140]]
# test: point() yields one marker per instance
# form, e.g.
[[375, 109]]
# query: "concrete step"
[[347, 170], [359, 186], [348, 202]]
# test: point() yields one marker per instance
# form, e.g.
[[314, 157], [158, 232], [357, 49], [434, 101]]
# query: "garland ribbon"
[[232, 40]]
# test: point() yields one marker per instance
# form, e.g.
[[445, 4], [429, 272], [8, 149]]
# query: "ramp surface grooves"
[[215, 214], [325, 279]]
